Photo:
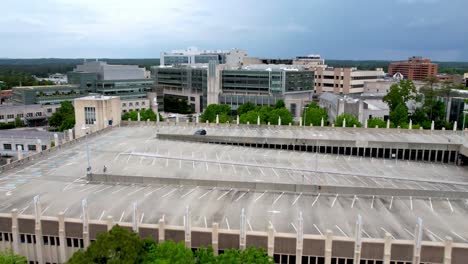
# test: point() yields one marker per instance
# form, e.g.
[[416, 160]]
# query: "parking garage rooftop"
[[59, 179]]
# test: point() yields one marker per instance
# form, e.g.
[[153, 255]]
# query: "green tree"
[[372, 122], [250, 256], [400, 93], [351, 120], [314, 115], [169, 252], [64, 117], [216, 109], [285, 115], [246, 107], [119, 245], [18, 122], [280, 104], [399, 116], [205, 255], [8, 257], [145, 114], [250, 117]]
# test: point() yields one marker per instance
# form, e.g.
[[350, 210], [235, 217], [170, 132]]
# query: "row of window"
[[47, 240], [131, 104], [12, 116], [8, 146]]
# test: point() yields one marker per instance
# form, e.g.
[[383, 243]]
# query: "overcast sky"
[[336, 29]]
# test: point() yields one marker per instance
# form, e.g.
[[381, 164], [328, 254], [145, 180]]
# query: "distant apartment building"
[[202, 85], [344, 80], [46, 94], [233, 57], [415, 68], [30, 115], [310, 61], [456, 79]]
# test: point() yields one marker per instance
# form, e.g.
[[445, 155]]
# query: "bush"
[[8, 257], [373, 122], [351, 120]]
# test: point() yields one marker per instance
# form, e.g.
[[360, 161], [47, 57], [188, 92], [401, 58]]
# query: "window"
[[29, 115], [124, 104], [20, 115], [69, 242], [90, 115], [75, 242], [22, 147], [10, 116], [142, 103], [137, 103], [2, 117], [32, 147], [46, 240], [49, 110], [7, 146], [130, 104], [44, 147], [38, 113]]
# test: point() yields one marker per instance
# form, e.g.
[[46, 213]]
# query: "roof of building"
[[96, 97], [58, 86]]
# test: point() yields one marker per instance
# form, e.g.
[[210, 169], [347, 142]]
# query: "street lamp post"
[[84, 128]]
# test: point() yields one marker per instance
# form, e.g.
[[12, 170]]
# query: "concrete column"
[[188, 231], [271, 241], [70, 134], [242, 229], [161, 231], [177, 118], [110, 222], [135, 217], [365, 123], [269, 123], [432, 125], [138, 117], [85, 220], [290, 124], [258, 120], [39, 146], [328, 246], [15, 231], [20, 152], [214, 239], [147, 121], [8, 161], [358, 240], [299, 239], [237, 120], [321, 122], [344, 122], [38, 230], [448, 250], [455, 126], [217, 119], [56, 140], [279, 120], [417, 242], [410, 124], [62, 253], [300, 122], [388, 123], [157, 118], [387, 248], [248, 122], [333, 125]]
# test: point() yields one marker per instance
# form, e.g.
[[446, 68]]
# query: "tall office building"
[[233, 57], [415, 68], [344, 80]]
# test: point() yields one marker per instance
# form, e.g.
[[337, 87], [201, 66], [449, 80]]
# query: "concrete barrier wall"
[[276, 187], [49, 151]]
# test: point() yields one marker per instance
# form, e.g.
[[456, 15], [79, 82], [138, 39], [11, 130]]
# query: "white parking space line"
[[430, 203], [203, 195], [297, 199], [295, 229], [137, 190], [391, 203], [250, 226], [316, 198], [256, 199], [334, 200], [433, 234], [409, 232], [372, 203], [242, 195], [344, 234], [170, 192], [102, 214], [365, 233], [457, 235], [320, 232], [116, 191], [141, 218], [450, 204], [189, 192], [276, 200], [103, 189], [224, 194], [89, 188], [411, 203], [354, 200], [272, 226], [227, 223], [122, 216], [383, 229]]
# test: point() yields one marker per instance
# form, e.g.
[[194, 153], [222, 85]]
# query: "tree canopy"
[[373, 122], [399, 116], [223, 111], [64, 117], [120, 245], [351, 120], [400, 93], [246, 107], [145, 114], [266, 114], [8, 257], [313, 114]]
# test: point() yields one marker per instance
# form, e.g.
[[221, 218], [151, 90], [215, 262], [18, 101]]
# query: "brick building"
[[415, 69]]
